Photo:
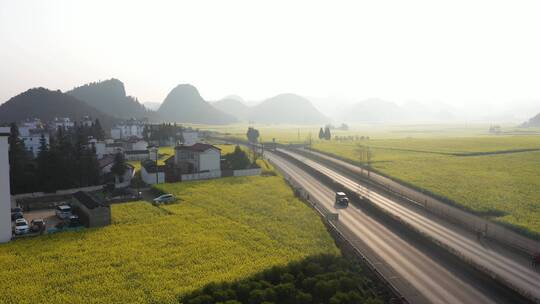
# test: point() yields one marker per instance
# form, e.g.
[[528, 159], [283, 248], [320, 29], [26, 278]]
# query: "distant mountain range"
[[107, 100], [110, 97], [234, 106], [185, 104], [376, 110], [280, 109], [533, 122], [372, 110], [46, 105]]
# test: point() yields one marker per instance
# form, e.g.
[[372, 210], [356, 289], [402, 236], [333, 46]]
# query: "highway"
[[419, 273]]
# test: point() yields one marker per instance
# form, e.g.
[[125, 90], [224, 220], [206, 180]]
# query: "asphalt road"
[[420, 274]]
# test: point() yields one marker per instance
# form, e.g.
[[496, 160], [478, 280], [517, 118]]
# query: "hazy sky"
[[448, 51]]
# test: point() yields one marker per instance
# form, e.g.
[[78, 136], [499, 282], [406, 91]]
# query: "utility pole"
[[262, 149], [157, 171], [369, 159], [298, 134]]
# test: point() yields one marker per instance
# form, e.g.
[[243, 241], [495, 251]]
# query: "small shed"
[[93, 212]]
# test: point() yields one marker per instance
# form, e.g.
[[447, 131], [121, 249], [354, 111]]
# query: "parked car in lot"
[[21, 226], [16, 213], [165, 198], [37, 225], [73, 221], [63, 211]]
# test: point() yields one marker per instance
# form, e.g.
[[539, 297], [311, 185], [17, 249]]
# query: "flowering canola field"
[[494, 176], [220, 230]]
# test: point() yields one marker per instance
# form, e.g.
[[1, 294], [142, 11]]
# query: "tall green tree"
[[321, 133], [238, 159], [97, 130], [20, 167], [252, 135], [327, 134], [45, 167], [119, 166]]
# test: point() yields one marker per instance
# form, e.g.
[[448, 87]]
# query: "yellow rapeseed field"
[[219, 230]]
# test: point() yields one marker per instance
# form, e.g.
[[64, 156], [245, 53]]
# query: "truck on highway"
[[342, 199]]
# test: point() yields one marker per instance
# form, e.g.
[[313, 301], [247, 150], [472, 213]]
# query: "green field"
[[220, 230], [302, 133], [486, 174], [496, 176]]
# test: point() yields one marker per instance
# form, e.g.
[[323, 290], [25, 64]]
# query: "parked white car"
[[21, 226], [165, 198], [63, 212]]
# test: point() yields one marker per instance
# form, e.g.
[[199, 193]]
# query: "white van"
[[63, 212]]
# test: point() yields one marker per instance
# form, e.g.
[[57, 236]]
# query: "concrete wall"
[[210, 160], [100, 149], [141, 156], [203, 175], [150, 178], [127, 180], [139, 145], [116, 133], [5, 199], [247, 172]]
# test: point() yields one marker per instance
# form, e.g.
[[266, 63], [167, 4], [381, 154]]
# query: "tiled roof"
[[136, 152], [106, 160], [88, 200], [198, 147]]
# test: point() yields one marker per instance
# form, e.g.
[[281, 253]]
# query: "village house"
[[98, 146], [136, 144], [64, 122], [32, 139], [152, 173], [87, 121], [105, 164], [129, 128], [197, 161], [30, 132], [137, 154], [113, 148]]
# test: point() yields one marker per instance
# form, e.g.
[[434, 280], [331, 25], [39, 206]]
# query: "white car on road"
[[21, 226]]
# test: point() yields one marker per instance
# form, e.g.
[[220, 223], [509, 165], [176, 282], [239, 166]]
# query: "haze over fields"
[[412, 58]]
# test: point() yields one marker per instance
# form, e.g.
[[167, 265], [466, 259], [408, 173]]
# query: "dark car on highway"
[[342, 199]]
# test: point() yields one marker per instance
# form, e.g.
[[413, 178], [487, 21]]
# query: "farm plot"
[[220, 230], [487, 175]]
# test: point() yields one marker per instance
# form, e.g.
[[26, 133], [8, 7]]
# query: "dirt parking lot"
[[47, 214]]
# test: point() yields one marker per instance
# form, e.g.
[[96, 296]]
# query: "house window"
[[187, 155]]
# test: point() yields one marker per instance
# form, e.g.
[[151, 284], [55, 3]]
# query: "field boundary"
[[459, 154]]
